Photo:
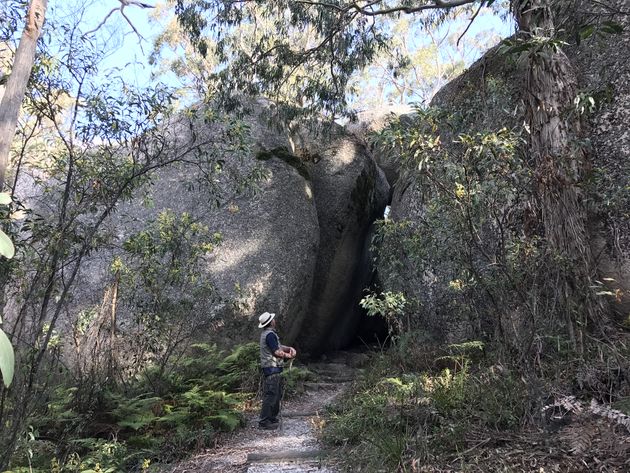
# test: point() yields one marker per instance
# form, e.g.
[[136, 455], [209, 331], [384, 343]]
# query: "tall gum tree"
[[560, 163], [18, 80], [23, 65]]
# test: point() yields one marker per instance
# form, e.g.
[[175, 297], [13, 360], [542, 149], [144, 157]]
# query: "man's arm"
[[280, 351], [288, 351]]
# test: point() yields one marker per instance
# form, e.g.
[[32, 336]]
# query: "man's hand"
[[286, 352]]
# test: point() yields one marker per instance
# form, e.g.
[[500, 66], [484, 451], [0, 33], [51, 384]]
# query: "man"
[[272, 356]]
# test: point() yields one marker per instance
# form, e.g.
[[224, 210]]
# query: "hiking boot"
[[268, 425]]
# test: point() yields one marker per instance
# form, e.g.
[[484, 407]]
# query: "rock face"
[[270, 246], [267, 256], [298, 246], [603, 64], [270, 235], [270, 238], [350, 193]]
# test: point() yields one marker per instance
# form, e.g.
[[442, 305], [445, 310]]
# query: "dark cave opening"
[[338, 320], [371, 331], [371, 334]]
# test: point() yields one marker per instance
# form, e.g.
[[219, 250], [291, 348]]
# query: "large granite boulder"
[[270, 247], [297, 246], [269, 231]]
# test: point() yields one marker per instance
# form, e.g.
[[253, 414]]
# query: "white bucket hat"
[[265, 319]]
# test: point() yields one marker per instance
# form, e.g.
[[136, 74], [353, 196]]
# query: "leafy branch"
[[7, 356]]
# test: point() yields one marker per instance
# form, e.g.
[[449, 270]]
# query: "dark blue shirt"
[[273, 342]]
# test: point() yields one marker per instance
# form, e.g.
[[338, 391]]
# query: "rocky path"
[[294, 447]]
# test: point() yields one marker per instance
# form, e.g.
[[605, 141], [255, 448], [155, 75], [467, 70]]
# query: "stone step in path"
[[321, 386], [288, 461], [303, 467], [294, 447], [287, 456]]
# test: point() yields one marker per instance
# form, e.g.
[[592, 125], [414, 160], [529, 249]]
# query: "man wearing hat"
[[272, 356]]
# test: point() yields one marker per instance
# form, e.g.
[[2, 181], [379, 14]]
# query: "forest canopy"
[[304, 54]]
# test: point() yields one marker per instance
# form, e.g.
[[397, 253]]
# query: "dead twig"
[[461, 456], [121, 9], [470, 23]]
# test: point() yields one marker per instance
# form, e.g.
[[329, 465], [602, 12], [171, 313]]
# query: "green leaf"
[[5, 199], [519, 48], [7, 359], [586, 31], [6, 246], [611, 27]]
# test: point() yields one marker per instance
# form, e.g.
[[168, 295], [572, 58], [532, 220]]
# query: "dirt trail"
[[294, 447]]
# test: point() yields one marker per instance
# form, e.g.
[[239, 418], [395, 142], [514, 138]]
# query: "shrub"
[[241, 369], [391, 414], [294, 379]]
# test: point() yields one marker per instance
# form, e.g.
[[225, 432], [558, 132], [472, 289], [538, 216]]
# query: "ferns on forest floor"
[[159, 416]]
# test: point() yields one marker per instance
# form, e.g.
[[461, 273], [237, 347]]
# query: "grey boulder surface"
[[296, 244], [269, 234], [269, 249]]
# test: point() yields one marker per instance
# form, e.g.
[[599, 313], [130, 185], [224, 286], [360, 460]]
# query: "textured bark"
[[560, 166], [16, 84]]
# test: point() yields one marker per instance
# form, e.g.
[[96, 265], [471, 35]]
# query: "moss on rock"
[[285, 155]]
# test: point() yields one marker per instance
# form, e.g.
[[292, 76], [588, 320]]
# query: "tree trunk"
[[18, 80], [561, 166]]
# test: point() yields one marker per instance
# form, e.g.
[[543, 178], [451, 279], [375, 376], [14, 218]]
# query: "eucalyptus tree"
[[338, 39], [24, 61], [415, 66], [561, 163], [410, 69], [18, 79]]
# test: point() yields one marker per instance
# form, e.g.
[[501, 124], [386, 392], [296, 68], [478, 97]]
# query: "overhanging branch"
[[368, 10], [121, 8]]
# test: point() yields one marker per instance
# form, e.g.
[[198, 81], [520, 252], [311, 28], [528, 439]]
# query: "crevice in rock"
[[371, 330], [345, 266]]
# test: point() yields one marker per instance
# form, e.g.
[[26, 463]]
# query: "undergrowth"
[[156, 417], [417, 403], [294, 379]]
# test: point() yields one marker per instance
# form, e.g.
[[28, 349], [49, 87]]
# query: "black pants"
[[272, 394]]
